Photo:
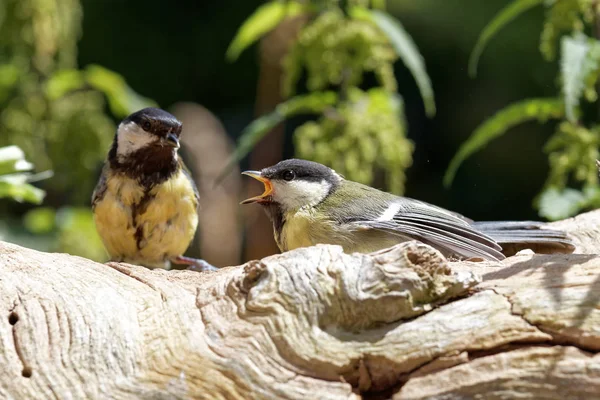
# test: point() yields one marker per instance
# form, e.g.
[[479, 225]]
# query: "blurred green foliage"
[[335, 50], [573, 149], [264, 19], [67, 229], [14, 176], [312, 103], [364, 131], [62, 230], [56, 112]]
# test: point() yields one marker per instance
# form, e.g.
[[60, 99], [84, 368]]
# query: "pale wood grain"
[[313, 323]]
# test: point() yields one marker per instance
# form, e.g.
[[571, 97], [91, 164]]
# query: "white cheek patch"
[[131, 138], [299, 193], [390, 212]]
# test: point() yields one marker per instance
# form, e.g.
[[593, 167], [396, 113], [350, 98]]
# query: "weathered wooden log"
[[313, 323]]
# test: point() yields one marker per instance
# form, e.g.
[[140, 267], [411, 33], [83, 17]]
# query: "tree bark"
[[313, 323]]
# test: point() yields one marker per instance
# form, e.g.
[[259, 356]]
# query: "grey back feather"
[[361, 207]]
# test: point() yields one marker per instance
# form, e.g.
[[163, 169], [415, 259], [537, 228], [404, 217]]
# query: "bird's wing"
[[100, 189], [442, 230], [188, 175], [447, 231]]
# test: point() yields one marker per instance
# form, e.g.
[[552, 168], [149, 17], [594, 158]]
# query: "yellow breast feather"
[[147, 227], [113, 216], [304, 228], [299, 230]]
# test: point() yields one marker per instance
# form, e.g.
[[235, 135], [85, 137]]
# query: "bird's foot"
[[194, 264]]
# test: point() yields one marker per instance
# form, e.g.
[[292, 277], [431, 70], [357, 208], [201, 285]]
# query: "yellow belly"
[[161, 231], [296, 231], [303, 229]]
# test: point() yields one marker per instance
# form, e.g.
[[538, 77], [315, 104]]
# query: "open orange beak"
[[268, 188]]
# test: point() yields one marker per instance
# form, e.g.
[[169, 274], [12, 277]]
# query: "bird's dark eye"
[[289, 175], [146, 126]]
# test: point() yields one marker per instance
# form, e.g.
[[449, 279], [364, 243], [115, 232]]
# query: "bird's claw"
[[201, 266], [195, 264]]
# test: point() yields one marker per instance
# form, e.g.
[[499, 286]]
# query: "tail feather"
[[510, 225], [517, 235]]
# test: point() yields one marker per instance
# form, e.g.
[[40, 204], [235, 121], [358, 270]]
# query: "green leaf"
[[506, 15], [63, 82], [312, 103], [16, 187], [514, 114], [12, 159], [122, 100], [406, 49], [13, 182], [576, 64], [262, 21], [555, 204], [561, 18]]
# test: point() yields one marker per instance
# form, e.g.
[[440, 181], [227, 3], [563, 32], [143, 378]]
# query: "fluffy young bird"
[[145, 203], [310, 203]]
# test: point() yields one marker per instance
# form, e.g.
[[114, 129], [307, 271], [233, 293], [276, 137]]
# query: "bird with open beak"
[[309, 203]]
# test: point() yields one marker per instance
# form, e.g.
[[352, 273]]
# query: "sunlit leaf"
[[555, 204], [506, 15], [406, 49], [262, 21], [63, 82], [122, 99], [312, 103], [16, 187], [576, 64], [514, 114], [12, 159], [13, 182]]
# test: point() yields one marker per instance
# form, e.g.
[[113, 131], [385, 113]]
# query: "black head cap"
[[156, 121], [301, 169]]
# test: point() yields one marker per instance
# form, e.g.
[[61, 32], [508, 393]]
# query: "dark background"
[[174, 51]]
